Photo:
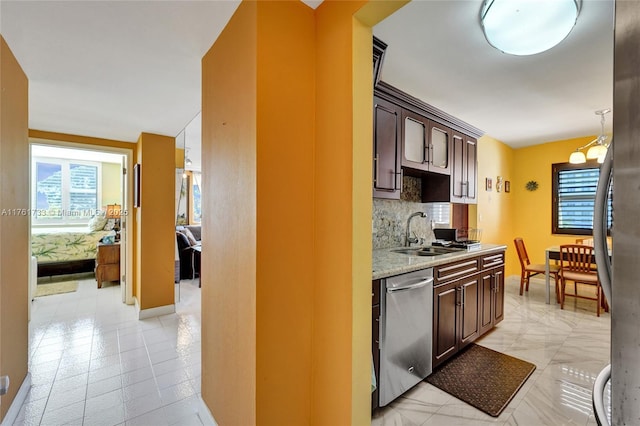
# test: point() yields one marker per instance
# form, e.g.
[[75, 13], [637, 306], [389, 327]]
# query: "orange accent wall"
[[155, 222], [14, 228], [286, 267], [229, 208]]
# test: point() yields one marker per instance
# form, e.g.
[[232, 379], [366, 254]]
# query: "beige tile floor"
[[93, 363], [569, 348]]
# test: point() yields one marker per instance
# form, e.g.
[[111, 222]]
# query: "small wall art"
[[488, 184], [136, 185], [507, 186], [499, 184]]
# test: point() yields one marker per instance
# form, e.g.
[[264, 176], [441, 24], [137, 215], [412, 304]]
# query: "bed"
[[65, 252]]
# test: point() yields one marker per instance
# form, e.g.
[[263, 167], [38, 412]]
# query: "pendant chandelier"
[[597, 147]]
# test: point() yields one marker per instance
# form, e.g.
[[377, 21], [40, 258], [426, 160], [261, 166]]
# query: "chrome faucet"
[[408, 238]]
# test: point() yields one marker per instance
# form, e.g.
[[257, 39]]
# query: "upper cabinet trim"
[[397, 96]]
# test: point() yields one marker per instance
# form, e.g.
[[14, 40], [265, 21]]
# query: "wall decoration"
[[507, 186], [488, 184], [136, 185], [499, 184], [532, 185]]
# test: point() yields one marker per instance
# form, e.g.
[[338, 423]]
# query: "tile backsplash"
[[390, 221]]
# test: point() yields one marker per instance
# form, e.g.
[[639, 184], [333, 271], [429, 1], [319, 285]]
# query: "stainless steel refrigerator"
[[621, 278]]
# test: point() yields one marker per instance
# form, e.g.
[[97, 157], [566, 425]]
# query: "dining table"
[[551, 253]]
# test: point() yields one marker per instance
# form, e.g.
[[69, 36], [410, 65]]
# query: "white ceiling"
[[437, 52], [113, 69]]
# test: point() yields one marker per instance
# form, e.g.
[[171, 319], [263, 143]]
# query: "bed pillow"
[[109, 224], [97, 223]]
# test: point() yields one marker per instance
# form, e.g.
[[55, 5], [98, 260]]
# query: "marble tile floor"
[[93, 363], [569, 348]]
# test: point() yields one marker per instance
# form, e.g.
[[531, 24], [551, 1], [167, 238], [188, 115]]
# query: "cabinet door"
[[471, 178], [439, 144], [469, 307], [386, 145], [458, 176], [375, 350], [498, 283], [414, 141], [487, 297], [445, 313]]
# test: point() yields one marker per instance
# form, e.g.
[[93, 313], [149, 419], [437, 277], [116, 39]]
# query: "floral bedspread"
[[62, 246]]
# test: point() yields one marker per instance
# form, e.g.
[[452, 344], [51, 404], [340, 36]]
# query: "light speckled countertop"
[[386, 263]]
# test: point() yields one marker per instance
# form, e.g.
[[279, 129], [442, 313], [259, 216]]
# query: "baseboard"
[[204, 413], [154, 312], [16, 405]]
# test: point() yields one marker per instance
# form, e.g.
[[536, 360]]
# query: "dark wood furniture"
[[47, 269], [387, 176], [456, 298], [468, 301], [375, 334], [108, 263], [428, 143]]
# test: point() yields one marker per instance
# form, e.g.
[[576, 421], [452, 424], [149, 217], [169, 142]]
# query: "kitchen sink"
[[425, 251]]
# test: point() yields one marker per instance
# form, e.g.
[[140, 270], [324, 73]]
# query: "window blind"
[[576, 194]]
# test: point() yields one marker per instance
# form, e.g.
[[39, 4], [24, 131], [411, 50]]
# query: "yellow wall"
[[111, 183], [532, 210], [281, 127], [155, 222], [493, 212], [14, 229]]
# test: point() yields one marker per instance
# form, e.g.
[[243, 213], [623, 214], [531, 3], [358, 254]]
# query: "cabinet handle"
[[401, 176], [375, 168], [458, 299]]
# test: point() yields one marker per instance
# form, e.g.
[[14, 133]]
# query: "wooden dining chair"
[[576, 265], [529, 269]]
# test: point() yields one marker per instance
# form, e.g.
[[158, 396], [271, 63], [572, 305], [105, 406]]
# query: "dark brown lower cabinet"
[[492, 298], [455, 317], [375, 336]]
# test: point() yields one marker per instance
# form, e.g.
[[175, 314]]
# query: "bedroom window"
[[197, 199], [66, 191]]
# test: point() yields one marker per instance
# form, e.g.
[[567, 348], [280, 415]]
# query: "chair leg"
[[563, 284], [599, 301], [528, 279], [521, 282], [557, 285]]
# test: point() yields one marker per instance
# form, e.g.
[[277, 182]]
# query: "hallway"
[[93, 363]]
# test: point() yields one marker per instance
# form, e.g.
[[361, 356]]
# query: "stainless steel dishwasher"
[[406, 316]]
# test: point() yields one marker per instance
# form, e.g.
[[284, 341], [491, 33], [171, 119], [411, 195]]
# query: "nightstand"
[[108, 263]]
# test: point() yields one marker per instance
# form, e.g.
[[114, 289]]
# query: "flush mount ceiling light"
[[597, 147], [527, 27]]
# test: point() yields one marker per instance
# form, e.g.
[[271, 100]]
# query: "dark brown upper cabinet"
[[387, 175], [464, 180], [425, 144]]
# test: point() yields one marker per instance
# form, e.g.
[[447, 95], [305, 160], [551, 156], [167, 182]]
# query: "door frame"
[[126, 205]]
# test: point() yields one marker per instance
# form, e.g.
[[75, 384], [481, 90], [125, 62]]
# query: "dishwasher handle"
[[423, 282]]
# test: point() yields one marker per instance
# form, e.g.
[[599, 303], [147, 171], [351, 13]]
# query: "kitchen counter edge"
[[387, 263]]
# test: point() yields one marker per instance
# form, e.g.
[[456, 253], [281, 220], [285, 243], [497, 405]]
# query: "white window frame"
[[66, 219]]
